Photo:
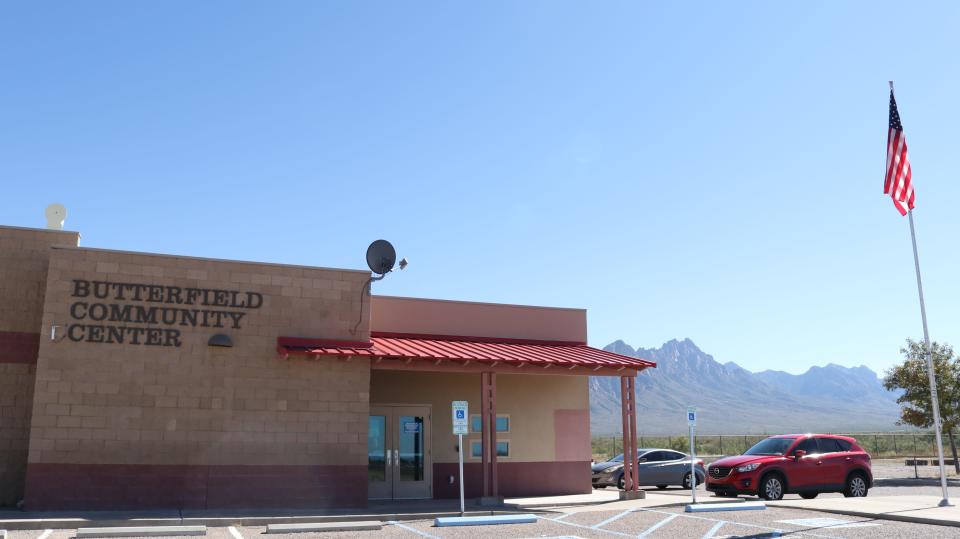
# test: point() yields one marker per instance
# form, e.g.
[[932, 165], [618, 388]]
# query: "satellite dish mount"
[[381, 256], [55, 214]]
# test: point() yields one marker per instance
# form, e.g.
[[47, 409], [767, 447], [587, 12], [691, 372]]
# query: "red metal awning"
[[509, 352]]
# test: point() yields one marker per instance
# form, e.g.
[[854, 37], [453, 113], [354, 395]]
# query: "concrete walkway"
[[918, 509]]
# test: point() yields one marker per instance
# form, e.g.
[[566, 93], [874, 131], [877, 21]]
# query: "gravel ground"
[[666, 523], [895, 469], [661, 523]]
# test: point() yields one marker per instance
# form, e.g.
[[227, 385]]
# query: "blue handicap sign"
[[460, 414], [691, 416]]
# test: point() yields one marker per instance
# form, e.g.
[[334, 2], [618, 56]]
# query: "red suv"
[[806, 464]]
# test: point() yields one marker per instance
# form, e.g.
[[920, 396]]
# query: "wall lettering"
[[102, 319]]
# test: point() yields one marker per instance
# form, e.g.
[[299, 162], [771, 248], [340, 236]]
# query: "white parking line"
[[611, 519], [586, 527], [45, 534], [735, 523], [234, 532], [716, 527], [414, 530], [656, 526], [563, 516]]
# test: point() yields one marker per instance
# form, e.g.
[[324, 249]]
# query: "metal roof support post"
[[625, 416], [494, 491], [484, 431], [632, 392], [488, 436]]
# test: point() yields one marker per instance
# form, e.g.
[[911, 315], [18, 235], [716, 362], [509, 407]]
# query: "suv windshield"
[[770, 446]]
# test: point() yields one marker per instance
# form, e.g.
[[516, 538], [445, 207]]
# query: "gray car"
[[655, 467]]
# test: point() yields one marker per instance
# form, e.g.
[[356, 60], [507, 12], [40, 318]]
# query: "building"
[[135, 381]]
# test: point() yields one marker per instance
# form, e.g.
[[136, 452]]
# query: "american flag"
[[898, 182]]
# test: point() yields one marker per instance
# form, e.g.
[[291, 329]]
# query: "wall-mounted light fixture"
[[220, 340]]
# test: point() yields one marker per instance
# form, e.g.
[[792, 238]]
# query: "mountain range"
[[733, 400]]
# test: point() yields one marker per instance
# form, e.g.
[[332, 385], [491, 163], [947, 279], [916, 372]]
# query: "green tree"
[[911, 377]]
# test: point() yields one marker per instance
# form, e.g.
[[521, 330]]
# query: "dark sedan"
[[655, 467]]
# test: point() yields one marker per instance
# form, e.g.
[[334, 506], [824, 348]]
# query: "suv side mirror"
[[799, 454]]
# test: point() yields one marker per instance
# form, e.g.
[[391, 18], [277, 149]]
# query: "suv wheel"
[[771, 488], [856, 486], [621, 482]]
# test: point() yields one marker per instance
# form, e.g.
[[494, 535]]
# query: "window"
[[476, 448], [770, 446], [673, 455], [654, 456], [843, 444], [809, 445], [503, 423], [831, 445]]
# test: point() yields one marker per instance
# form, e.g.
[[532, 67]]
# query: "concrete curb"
[[360, 525], [877, 516], [141, 531], [525, 506], [220, 522], [524, 518]]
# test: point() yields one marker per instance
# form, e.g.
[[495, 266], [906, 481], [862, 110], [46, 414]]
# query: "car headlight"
[[748, 467], [613, 468]]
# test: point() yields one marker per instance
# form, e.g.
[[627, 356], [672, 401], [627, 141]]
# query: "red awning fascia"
[[461, 348]]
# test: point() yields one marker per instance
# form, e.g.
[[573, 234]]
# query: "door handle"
[[396, 457], [819, 462], [848, 459]]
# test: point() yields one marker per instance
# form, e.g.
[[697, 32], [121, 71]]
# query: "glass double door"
[[398, 453]]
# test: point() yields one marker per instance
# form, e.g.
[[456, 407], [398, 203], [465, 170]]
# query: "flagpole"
[[934, 399]]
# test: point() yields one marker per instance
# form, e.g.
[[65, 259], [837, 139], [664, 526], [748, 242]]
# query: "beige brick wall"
[[24, 255], [99, 403], [529, 400], [16, 396]]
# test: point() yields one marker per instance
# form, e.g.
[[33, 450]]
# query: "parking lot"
[[653, 523]]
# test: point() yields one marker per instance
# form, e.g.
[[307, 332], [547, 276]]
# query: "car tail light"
[[699, 462]]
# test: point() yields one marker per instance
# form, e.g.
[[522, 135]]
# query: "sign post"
[[692, 423], [460, 427]]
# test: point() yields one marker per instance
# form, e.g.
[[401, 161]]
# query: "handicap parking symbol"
[[460, 414]]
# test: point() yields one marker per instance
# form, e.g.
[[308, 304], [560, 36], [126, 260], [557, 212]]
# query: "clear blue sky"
[[710, 171]]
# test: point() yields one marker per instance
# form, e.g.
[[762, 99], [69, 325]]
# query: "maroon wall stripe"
[[16, 347], [54, 487], [515, 479]]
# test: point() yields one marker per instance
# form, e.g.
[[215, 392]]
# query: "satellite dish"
[[55, 213], [381, 257]]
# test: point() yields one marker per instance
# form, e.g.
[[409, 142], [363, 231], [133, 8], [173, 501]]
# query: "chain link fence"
[[878, 444]]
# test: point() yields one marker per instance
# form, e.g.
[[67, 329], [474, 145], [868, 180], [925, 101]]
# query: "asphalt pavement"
[[652, 523]]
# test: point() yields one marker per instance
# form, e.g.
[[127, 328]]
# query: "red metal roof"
[[454, 348]]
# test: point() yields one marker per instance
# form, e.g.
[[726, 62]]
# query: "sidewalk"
[[602, 500], [413, 510], [917, 509]]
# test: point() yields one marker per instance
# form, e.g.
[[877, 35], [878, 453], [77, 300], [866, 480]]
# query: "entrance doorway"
[[399, 465]]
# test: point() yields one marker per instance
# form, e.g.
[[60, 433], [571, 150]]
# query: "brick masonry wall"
[[24, 255], [203, 426]]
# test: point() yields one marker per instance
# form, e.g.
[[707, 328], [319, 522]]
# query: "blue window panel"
[[476, 449], [503, 423]]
